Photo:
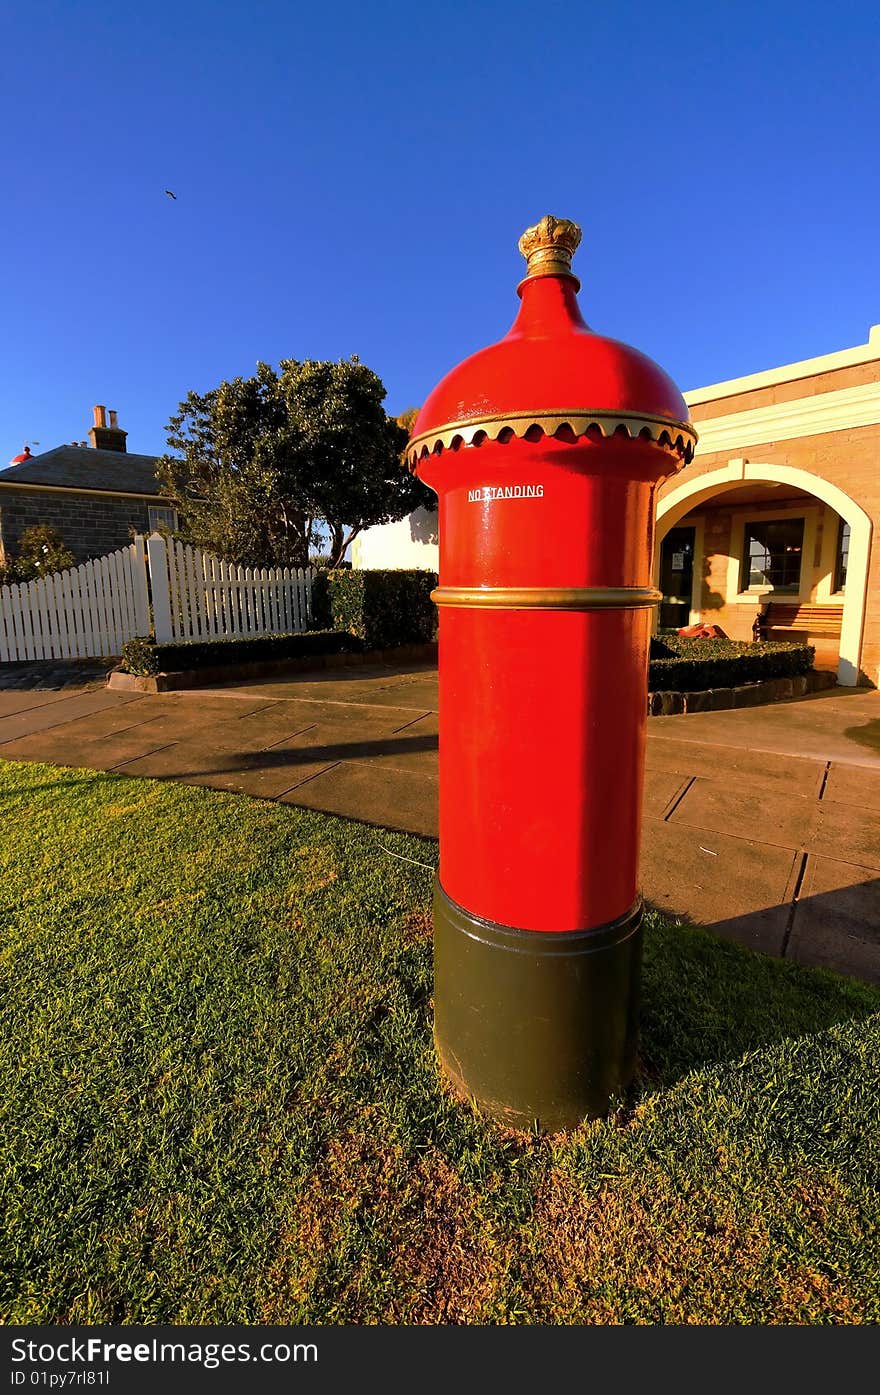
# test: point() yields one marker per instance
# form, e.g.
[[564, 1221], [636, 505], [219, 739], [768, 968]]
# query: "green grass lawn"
[[220, 1102]]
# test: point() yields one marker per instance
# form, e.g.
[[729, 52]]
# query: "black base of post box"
[[539, 1028]]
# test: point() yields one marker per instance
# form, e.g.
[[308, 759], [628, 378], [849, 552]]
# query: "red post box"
[[545, 451]]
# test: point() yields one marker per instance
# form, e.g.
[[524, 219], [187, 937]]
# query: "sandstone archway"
[[692, 492]]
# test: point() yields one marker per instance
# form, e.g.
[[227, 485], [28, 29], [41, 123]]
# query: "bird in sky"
[[170, 195]]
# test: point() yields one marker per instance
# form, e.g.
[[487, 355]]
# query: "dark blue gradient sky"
[[353, 178]]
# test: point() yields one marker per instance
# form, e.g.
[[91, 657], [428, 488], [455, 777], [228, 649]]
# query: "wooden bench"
[[804, 618]]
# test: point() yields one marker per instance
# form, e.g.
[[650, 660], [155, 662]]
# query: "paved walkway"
[[763, 823], [55, 673]]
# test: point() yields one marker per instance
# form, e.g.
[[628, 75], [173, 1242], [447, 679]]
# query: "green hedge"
[[382, 608], [685, 665], [144, 657]]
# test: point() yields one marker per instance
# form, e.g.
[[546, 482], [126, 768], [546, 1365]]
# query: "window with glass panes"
[[772, 554], [162, 518], [842, 556]]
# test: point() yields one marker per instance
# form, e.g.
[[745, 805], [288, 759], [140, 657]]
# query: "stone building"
[[96, 495]]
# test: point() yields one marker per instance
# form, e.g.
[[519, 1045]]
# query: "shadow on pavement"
[[868, 734], [277, 757]]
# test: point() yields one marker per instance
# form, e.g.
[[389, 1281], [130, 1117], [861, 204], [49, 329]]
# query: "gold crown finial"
[[548, 247]]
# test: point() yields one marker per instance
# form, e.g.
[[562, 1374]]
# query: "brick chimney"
[[104, 437]]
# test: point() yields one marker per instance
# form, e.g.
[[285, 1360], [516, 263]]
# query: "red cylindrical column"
[[545, 451]]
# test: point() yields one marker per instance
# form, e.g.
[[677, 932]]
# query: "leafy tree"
[[266, 465], [41, 551], [353, 467], [232, 475], [407, 420]]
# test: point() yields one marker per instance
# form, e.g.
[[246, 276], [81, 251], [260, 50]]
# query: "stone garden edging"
[[660, 704], [265, 668], [668, 704]]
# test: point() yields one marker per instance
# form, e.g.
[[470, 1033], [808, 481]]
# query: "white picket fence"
[[91, 610], [197, 596]]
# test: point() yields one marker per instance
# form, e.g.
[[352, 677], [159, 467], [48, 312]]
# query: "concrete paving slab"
[[712, 762], [96, 724], [81, 750], [424, 673], [851, 784], [108, 752], [363, 717], [267, 770], [231, 757], [253, 732], [255, 773], [186, 722], [404, 696], [68, 742], [676, 760], [403, 750], [428, 725], [845, 832], [338, 692], [24, 699], [390, 798], [836, 922], [780, 818], [53, 714], [245, 772], [39, 674], [328, 743], [347, 684], [839, 724], [739, 887], [661, 791], [413, 694]]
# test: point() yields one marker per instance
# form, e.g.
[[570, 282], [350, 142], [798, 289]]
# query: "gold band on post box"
[[548, 597]]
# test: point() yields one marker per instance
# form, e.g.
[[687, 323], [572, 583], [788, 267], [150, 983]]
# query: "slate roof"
[[82, 467]]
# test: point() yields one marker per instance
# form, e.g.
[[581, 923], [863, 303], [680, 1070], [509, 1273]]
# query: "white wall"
[[412, 542]]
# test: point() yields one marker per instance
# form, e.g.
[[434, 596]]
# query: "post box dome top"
[[551, 373]]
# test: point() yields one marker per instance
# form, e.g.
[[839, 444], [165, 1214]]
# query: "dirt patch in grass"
[[312, 869], [417, 929], [456, 1271], [635, 1252], [645, 1252], [435, 1263], [316, 1259]]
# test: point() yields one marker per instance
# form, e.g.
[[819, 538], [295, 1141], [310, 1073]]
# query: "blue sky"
[[353, 179]]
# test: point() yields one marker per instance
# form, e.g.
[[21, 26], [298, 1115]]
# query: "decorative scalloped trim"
[[677, 436]]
